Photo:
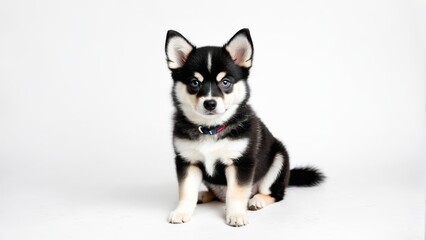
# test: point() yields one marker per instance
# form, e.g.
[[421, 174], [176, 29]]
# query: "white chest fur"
[[209, 150]]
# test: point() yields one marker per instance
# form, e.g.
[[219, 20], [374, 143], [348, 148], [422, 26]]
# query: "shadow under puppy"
[[217, 137]]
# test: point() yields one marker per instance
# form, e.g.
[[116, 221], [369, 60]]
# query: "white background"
[[85, 116]]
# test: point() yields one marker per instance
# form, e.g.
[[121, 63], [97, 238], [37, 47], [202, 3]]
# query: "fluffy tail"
[[305, 177]]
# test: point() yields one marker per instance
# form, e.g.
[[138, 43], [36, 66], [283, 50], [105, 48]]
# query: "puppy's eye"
[[195, 83], [225, 83]]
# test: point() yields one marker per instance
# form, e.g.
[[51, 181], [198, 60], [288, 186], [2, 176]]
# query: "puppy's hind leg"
[[205, 197], [260, 201], [272, 186]]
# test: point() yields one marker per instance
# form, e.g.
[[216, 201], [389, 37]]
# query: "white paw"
[[177, 217], [237, 220], [256, 203]]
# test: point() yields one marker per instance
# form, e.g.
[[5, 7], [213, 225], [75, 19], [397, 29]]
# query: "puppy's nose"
[[209, 105]]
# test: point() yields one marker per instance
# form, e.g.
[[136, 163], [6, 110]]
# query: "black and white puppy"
[[217, 137]]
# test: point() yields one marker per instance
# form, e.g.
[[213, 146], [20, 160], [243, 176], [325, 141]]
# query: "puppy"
[[217, 137]]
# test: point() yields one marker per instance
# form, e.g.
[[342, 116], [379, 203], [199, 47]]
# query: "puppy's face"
[[209, 82]]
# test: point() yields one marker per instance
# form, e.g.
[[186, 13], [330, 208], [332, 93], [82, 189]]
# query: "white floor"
[[85, 117], [352, 204]]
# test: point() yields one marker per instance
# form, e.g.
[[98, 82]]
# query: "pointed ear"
[[240, 47], [177, 49]]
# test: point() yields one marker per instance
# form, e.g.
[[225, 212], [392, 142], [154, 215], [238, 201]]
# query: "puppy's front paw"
[[177, 217], [237, 220]]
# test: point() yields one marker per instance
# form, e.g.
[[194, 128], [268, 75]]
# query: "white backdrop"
[[85, 116]]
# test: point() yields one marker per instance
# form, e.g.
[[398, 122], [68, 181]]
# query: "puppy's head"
[[209, 82]]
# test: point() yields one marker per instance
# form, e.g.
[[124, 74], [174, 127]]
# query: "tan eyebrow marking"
[[220, 76], [199, 76]]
